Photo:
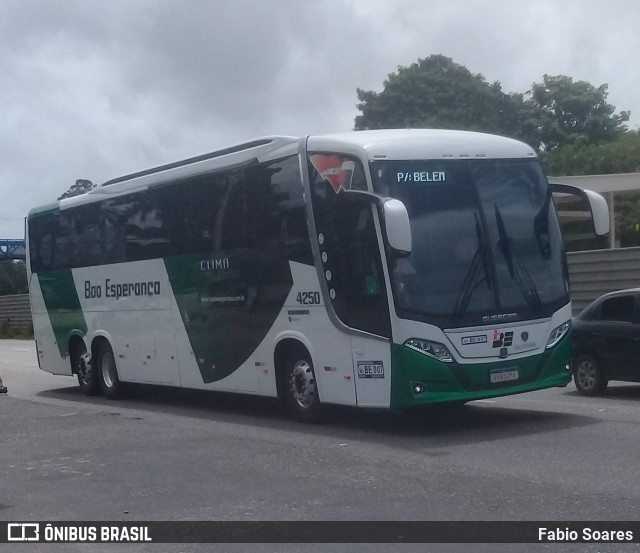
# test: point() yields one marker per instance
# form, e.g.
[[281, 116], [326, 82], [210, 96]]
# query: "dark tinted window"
[[485, 240], [619, 309], [42, 231], [350, 254], [259, 207], [142, 217], [275, 219]]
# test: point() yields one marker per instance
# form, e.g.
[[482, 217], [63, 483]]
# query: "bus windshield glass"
[[486, 241]]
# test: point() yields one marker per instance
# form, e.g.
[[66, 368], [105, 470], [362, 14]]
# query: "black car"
[[606, 342]]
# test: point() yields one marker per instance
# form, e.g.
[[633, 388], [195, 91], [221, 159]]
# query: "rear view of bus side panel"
[[52, 349]]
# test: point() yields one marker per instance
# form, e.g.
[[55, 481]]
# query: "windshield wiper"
[[541, 228], [517, 269], [471, 281]]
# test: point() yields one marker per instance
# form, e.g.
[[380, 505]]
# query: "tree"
[[573, 113], [13, 278], [436, 92], [80, 187], [621, 155]]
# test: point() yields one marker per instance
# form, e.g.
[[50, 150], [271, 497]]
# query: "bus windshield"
[[486, 241]]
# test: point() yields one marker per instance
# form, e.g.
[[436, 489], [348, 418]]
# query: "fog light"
[[418, 388]]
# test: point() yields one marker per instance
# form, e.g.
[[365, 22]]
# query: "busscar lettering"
[[499, 317], [117, 290]]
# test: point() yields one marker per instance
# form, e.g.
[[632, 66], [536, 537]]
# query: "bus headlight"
[[432, 349], [558, 333]]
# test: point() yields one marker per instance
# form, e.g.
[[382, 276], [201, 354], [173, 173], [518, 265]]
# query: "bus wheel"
[[87, 375], [301, 391], [109, 381], [588, 376]]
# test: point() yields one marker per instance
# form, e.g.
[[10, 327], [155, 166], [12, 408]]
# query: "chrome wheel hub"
[[303, 384]]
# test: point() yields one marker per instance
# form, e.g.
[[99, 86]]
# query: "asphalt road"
[[164, 454]]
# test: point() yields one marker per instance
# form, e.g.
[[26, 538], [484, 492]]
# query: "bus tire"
[[84, 369], [301, 393], [108, 372], [588, 376]]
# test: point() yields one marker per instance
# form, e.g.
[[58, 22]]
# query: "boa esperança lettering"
[[117, 290]]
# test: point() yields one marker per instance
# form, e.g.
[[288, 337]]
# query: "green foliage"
[[619, 156], [627, 208], [9, 332], [13, 278], [437, 93], [574, 113]]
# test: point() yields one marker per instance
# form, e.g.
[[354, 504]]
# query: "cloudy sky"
[[94, 89]]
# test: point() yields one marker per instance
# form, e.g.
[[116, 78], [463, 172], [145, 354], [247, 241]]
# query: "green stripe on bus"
[[451, 382], [63, 306], [228, 303]]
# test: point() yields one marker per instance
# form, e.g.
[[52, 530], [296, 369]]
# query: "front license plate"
[[370, 369], [503, 375]]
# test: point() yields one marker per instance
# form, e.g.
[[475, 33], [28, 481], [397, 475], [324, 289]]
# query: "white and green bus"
[[379, 269]]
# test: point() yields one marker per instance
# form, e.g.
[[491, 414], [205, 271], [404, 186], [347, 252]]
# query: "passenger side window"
[[618, 309], [348, 243]]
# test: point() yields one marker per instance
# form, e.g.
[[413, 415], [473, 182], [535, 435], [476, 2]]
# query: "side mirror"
[[396, 218], [587, 205], [599, 212], [397, 226]]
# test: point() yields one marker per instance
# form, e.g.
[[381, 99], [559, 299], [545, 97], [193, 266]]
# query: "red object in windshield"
[[336, 169]]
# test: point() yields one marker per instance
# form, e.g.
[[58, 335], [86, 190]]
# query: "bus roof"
[[408, 144], [386, 144], [378, 144], [261, 149], [271, 142]]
